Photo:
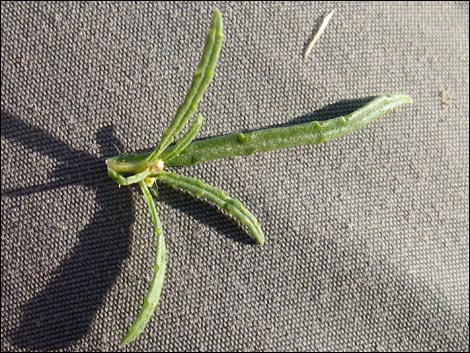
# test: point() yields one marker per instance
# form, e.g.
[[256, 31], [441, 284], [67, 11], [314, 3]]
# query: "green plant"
[[147, 168]]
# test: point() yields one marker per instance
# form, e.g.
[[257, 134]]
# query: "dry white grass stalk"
[[318, 34]]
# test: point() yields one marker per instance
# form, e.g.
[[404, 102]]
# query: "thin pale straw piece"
[[318, 34]]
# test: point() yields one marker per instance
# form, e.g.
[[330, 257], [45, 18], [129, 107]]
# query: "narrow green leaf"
[[201, 80], [242, 144], [153, 295], [315, 132], [216, 196]]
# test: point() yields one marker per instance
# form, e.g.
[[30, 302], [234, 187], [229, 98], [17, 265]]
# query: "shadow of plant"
[[63, 311]]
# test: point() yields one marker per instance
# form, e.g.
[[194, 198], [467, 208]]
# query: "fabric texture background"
[[367, 237]]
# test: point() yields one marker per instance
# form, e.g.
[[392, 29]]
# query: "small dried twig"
[[318, 34]]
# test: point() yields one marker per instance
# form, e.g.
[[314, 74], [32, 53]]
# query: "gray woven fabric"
[[367, 236]]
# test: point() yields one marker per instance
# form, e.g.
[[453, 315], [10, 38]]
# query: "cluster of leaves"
[[146, 169]]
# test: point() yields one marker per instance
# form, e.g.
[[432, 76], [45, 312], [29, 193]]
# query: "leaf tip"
[[259, 238], [217, 17], [126, 340], [217, 13]]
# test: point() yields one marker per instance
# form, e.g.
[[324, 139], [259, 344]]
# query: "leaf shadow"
[[62, 312], [330, 111]]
